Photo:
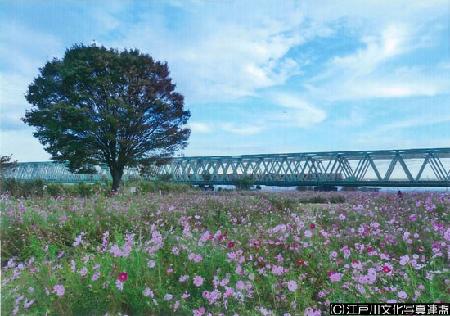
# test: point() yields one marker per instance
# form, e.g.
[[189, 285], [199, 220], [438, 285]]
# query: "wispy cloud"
[[297, 111], [199, 127], [222, 52], [374, 71], [355, 117], [242, 129]]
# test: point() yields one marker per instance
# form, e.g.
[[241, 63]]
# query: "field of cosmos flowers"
[[232, 253]]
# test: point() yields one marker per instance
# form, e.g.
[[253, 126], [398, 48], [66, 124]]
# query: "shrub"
[[243, 183], [55, 189], [22, 188], [156, 186]]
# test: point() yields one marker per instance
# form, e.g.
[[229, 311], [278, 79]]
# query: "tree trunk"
[[116, 175]]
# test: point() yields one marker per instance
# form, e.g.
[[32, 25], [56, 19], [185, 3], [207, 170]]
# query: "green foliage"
[[38, 188], [156, 186], [6, 162], [165, 177], [22, 188], [334, 199], [104, 106], [206, 176], [244, 183]]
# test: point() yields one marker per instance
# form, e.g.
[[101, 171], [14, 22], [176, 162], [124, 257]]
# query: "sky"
[[257, 76]]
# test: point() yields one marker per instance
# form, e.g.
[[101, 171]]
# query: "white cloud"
[[222, 51], [375, 71], [413, 122], [242, 129], [198, 127], [356, 117], [22, 52], [395, 134], [297, 111], [22, 145]]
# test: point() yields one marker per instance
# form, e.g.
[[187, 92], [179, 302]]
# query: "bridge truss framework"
[[428, 167]]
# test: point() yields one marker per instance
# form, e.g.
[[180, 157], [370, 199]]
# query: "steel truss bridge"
[[428, 167]]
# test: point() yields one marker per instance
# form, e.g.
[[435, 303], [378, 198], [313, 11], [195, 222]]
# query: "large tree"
[[104, 106]]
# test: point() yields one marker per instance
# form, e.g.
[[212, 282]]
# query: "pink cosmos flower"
[[356, 264], [199, 312], [148, 292], [95, 276], [195, 257], [312, 312], [404, 260], [198, 281], [224, 282], [79, 239], [168, 297], [292, 286], [240, 285], [115, 251], [119, 285], [83, 272], [175, 251], [335, 276], [277, 270], [228, 292], [28, 303], [59, 289], [447, 234]]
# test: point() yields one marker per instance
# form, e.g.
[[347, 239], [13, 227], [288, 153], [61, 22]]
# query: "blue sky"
[[258, 76]]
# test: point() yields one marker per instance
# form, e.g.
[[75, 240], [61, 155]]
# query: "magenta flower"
[[123, 276]]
